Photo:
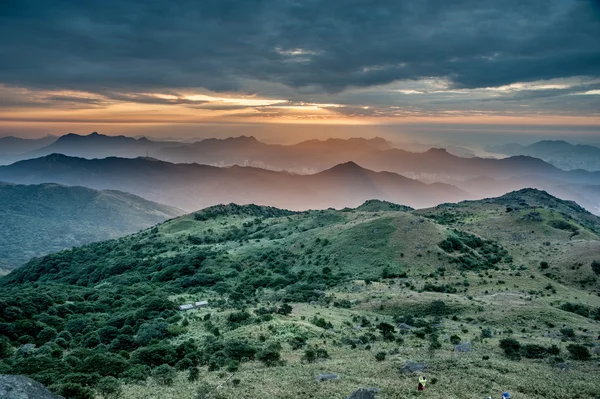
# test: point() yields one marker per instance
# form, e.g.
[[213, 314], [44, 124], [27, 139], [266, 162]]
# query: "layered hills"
[[193, 186], [560, 153]]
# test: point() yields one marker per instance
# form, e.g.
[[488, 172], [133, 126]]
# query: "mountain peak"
[[437, 152], [349, 166]]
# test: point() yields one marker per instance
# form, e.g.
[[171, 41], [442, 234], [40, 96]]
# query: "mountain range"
[[559, 153], [45, 218], [193, 186]]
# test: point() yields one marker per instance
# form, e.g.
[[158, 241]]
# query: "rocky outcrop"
[[19, 387]]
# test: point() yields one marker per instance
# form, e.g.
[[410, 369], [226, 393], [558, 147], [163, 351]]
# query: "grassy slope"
[[509, 298]]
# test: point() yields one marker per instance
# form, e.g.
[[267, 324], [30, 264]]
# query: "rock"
[[357, 327], [563, 366], [313, 303], [364, 393], [327, 376], [404, 326], [320, 293], [463, 347], [26, 350], [19, 387], [413, 367]]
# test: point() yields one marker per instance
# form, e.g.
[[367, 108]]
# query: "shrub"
[[164, 374], [270, 356], [455, 339], [297, 342], [596, 266], [511, 348], [285, 309], [532, 351], [568, 332], [486, 333], [109, 388], [105, 364], [6, 349], [73, 391], [544, 265], [312, 354], [137, 373], [193, 374], [579, 352], [434, 342], [380, 356], [576, 308]]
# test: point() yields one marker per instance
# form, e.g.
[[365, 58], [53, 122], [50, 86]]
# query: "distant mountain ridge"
[[11, 147], [560, 153], [97, 145], [45, 218], [193, 186]]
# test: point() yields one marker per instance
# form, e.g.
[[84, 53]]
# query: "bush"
[[137, 373], [532, 351], [576, 308], [544, 265], [511, 348], [109, 388], [579, 352], [105, 364], [312, 354], [568, 332], [164, 374], [380, 356], [193, 374], [297, 342], [486, 333], [596, 266], [285, 309], [455, 339], [270, 356], [73, 391]]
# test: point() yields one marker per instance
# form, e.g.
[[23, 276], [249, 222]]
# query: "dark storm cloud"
[[132, 45]]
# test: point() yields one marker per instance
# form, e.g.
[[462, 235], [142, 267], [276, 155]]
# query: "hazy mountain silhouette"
[[559, 153], [11, 147], [97, 145], [193, 186], [40, 219]]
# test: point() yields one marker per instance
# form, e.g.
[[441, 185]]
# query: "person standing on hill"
[[422, 382]]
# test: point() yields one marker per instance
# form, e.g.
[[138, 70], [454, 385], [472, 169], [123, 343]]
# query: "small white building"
[[188, 306]]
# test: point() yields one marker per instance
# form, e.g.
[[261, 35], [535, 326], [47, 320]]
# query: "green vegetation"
[[45, 218], [292, 295]]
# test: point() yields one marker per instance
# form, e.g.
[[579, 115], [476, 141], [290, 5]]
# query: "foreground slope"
[[368, 289], [40, 219]]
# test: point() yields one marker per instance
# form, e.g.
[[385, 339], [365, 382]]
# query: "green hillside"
[[356, 292], [46, 218]]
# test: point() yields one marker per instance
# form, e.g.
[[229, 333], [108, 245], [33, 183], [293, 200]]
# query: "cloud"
[[329, 45]]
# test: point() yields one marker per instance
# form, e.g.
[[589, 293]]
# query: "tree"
[[164, 374], [109, 388], [285, 309]]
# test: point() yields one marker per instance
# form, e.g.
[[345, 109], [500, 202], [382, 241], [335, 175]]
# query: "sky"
[[284, 69]]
